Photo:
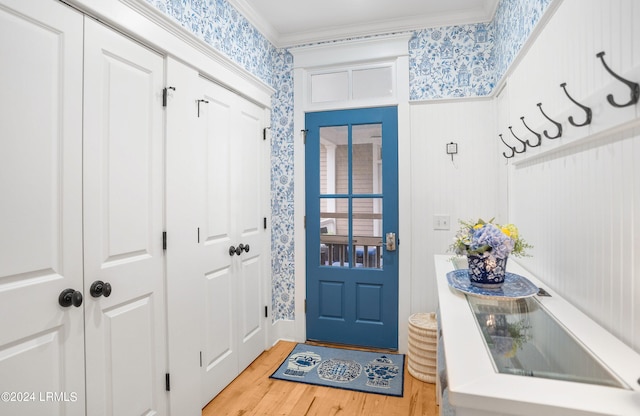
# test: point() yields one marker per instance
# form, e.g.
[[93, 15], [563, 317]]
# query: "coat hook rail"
[[538, 135], [634, 87], [524, 144], [586, 109], [513, 153], [558, 125]]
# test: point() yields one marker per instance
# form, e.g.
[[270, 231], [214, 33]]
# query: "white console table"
[[562, 364]]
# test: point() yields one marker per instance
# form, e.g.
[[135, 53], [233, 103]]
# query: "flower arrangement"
[[486, 239]]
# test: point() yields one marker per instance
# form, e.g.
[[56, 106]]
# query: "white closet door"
[[248, 176], [123, 224], [41, 342], [230, 139]]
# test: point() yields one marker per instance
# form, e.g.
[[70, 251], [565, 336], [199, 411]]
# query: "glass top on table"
[[524, 339]]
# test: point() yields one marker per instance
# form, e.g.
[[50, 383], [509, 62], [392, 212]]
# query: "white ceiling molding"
[[331, 32], [351, 51], [381, 27], [258, 21]]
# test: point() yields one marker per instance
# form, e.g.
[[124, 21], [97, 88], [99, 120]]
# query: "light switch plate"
[[441, 222]]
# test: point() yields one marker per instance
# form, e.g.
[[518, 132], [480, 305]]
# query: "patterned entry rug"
[[364, 371]]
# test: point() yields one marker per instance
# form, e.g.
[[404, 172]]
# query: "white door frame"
[[392, 49]]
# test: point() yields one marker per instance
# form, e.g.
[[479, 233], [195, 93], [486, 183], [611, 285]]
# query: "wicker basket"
[[423, 346], [421, 375]]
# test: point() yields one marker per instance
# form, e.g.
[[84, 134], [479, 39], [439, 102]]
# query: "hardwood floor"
[[254, 393]]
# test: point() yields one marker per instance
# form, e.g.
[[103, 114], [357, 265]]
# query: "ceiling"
[[298, 22]]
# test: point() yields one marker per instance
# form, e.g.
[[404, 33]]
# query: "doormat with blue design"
[[369, 372]]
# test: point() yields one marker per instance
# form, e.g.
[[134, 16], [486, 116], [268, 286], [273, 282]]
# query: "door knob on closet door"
[[100, 288], [235, 250], [243, 247], [70, 297]]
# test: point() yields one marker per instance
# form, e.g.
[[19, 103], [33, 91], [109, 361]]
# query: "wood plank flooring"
[[254, 393]]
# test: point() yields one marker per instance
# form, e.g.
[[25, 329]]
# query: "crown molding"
[[259, 22], [384, 27], [482, 14], [350, 51]]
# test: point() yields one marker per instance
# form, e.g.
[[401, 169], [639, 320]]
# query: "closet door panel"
[[123, 223], [41, 342], [249, 148], [231, 143], [218, 174]]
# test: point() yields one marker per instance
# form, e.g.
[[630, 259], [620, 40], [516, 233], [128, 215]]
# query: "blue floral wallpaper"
[[514, 21], [282, 198], [452, 61], [220, 25], [445, 62]]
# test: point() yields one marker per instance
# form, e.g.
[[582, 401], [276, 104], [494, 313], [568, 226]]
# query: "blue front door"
[[351, 215]]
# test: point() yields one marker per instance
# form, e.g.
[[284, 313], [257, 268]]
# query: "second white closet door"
[[231, 166], [123, 224]]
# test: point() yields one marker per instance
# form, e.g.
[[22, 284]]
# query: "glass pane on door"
[[334, 232], [366, 158], [334, 160], [367, 232]]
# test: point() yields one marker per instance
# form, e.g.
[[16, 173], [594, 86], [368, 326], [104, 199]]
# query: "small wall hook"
[[201, 101], [584, 107], [538, 135], [513, 153], [633, 86], [558, 125], [165, 91], [524, 149]]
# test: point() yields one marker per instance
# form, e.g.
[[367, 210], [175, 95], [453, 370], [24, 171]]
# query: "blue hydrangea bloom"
[[490, 235]]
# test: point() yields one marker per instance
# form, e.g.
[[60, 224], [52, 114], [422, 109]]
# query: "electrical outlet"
[[441, 222]]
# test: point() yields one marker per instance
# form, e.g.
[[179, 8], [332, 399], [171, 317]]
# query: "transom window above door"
[[352, 84]]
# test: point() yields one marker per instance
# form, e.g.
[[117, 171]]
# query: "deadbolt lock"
[[391, 242]]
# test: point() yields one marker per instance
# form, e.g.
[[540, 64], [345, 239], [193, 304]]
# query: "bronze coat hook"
[[558, 125], [524, 149], [538, 135], [633, 86], [584, 107], [513, 153]]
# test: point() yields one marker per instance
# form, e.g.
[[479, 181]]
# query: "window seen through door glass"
[[334, 232], [367, 232], [367, 161], [334, 162]]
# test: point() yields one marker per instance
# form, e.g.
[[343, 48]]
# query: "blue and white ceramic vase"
[[487, 272]]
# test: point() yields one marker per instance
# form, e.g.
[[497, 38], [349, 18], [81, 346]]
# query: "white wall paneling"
[[466, 188], [576, 199]]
